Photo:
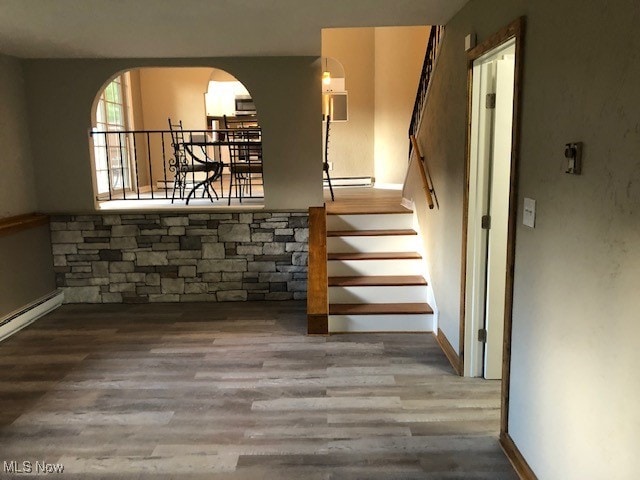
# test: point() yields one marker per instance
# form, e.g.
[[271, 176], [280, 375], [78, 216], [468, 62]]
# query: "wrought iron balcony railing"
[[177, 164]]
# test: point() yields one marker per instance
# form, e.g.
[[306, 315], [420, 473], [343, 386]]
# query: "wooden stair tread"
[[399, 210], [377, 280], [379, 308], [374, 256], [366, 209], [371, 233]]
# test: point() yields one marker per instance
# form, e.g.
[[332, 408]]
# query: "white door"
[[481, 144], [500, 179], [488, 210]]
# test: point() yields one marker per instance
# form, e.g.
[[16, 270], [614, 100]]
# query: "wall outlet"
[[330, 165]]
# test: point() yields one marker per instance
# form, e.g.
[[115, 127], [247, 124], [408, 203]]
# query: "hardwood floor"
[[363, 200], [238, 391]]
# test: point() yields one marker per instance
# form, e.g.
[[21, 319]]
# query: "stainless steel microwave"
[[245, 105]]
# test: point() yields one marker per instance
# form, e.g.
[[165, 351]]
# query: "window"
[[112, 148]]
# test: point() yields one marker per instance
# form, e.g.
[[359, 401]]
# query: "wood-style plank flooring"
[[238, 391]]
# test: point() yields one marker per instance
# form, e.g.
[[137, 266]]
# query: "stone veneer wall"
[[215, 257]]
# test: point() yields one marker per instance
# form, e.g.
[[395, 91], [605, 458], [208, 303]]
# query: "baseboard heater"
[[28, 314], [350, 182]]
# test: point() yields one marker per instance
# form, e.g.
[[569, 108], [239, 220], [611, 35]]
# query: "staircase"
[[375, 282], [365, 273]]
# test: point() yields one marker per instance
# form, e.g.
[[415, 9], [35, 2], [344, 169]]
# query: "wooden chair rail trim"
[[317, 285], [428, 190], [11, 225]]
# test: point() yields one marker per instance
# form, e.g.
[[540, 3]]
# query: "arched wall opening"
[[133, 149], [286, 91]]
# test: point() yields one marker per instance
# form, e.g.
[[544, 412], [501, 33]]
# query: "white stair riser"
[[389, 221], [387, 243], [341, 268], [379, 294], [381, 323]]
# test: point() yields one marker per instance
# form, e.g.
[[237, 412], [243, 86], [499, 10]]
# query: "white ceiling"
[[196, 28]]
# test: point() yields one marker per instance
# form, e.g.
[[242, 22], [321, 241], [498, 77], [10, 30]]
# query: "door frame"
[[515, 30]]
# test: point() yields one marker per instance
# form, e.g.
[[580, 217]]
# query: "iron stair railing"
[[433, 45]]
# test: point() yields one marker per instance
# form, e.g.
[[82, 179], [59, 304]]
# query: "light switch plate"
[[469, 42], [529, 214]]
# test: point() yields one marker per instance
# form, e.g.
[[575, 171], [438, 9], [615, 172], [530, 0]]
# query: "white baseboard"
[[388, 186], [18, 319], [350, 182]]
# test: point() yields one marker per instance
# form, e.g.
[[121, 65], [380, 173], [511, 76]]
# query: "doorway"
[[490, 206]]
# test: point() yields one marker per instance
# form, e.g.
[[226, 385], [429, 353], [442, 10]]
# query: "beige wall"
[[141, 151], [351, 142], [26, 268], [26, 263], [399, 54], [574, 386], [287, 95], [382, 67], [177, 93], [17, 181]]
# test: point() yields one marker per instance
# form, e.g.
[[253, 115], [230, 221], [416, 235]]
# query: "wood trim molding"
[[520, 465], [317, 283], [515, 29], [11, 225], [449, 352]]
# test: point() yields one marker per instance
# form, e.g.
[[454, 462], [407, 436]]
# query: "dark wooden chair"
[[185, 164], [325, 165], [245, 155]]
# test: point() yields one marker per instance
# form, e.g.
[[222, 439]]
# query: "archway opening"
[[171, 136]]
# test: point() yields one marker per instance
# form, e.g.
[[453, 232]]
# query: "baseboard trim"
[[18, 319], [449, 352], [388, 186], [351, 181], [520, 465]]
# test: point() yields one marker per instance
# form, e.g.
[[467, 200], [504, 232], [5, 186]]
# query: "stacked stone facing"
[[195, 257]]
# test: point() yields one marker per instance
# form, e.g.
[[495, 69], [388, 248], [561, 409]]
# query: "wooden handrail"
[[424, 172], [317, 280], [10, 225]]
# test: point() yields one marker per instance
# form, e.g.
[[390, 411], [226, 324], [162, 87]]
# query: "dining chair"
[[185, 164], [245, 157]]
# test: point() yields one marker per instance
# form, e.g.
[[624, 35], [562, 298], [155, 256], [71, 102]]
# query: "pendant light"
[[326, 75]]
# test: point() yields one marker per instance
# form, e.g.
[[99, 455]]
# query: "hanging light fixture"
[[326, 75]]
